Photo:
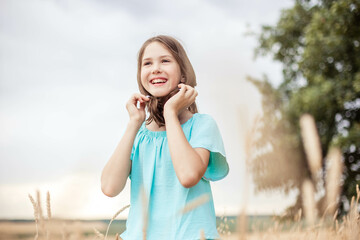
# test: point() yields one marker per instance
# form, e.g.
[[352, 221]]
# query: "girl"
[[171, 157]]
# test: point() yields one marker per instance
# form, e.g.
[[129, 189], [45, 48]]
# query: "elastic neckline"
[[163, 133]]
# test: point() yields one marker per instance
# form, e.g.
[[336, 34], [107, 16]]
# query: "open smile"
[[158, 81]]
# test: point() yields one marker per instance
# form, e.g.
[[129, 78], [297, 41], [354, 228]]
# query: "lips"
[[158, 80]]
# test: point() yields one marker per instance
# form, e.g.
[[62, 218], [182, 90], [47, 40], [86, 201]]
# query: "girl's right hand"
[[137, 114]]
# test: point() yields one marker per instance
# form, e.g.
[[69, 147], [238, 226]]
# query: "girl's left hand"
[[181, 100]]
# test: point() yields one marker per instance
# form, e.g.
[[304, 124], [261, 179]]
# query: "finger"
[[145, 98], [182, 85], [133, 99], [190, 92], [138, 98], [194, 95], [182, 89], [142, 106], [188, 87], [138, 95]]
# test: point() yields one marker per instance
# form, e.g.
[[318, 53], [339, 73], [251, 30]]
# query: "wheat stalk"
[[333, 177], [311, 143], [242, 222], [40, 211], [38, 198], [48, 209], [309, 202], [195, 203], [113, 218], [48, 206], [98, 233], [36, 215]]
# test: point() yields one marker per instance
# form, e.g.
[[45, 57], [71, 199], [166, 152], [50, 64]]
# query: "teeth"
[[158, 81]]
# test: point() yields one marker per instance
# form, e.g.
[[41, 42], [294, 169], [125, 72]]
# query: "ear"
[[182, 80]]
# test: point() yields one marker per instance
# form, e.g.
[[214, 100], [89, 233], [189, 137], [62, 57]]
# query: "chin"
[[159, 94], [163, 92]]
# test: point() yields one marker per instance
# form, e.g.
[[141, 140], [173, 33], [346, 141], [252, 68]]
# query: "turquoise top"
[[156, 190]]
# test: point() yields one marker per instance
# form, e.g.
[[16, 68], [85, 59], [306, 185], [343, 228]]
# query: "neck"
[[183, 117], [155, 107]]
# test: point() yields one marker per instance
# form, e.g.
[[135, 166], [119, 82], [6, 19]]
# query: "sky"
[[67, 69]]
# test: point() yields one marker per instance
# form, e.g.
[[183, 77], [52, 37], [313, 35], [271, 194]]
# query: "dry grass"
[[59, 229], [348, 228], [113, 218], [327, 227]]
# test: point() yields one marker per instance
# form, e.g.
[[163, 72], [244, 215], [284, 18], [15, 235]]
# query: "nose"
[[156, 68]]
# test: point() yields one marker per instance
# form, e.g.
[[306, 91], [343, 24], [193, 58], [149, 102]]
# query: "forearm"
[[117, 169], [188, 165]]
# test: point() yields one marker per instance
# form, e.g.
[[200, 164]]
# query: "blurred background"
[[67, 69]]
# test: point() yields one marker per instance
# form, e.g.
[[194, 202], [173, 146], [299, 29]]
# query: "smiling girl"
[[172, 155]]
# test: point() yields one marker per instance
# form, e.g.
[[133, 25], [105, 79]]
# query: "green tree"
[[318, 44]]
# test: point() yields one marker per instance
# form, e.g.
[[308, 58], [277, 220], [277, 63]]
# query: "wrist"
[[168, 112], [170, 116], [135, 124]]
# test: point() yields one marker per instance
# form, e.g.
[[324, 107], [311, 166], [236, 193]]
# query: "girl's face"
[[160, 72]]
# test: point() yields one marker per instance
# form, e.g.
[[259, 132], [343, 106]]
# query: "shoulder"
[[204, 124], [203, 117]]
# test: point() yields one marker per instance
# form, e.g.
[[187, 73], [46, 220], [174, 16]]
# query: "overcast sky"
[[67, 67]]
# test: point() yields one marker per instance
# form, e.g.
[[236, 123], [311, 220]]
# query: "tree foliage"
[[318, 44]]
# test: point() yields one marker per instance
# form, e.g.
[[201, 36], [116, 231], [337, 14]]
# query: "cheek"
[[177, 70], [178, 73], [143, 76]]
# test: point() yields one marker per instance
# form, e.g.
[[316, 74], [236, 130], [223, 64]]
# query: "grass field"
[[256, 227], [25, 229], [229, 227]]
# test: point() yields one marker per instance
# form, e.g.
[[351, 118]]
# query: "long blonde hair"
[[155, 106]]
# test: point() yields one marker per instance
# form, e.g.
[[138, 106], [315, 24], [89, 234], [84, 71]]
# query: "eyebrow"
[[144, 59]]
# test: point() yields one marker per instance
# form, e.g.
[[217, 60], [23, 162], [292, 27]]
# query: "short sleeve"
[[205, 134], [139, 135], [132, 156], [133, 151], [135, 146]]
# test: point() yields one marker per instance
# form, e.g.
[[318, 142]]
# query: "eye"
[[146, 63], [165, 60]]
